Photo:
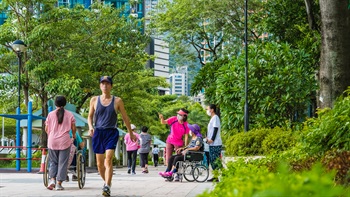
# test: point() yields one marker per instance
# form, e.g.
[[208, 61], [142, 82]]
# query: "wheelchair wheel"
[[170, 178], [187, 173], [46, 171], [200, 173], [81, 170]]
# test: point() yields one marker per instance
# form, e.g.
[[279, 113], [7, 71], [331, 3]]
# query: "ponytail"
[[60, 102], [60, 115]]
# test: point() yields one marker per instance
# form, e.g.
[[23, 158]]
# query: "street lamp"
[[246, 109], [19, 47]]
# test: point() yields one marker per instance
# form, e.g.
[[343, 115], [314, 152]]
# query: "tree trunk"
[[44, 108], [310, 15], [334, 73]]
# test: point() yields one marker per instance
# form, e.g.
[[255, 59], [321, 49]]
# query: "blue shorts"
[[104, 139]]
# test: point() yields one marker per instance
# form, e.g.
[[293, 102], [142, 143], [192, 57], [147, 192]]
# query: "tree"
[[203, 25], [69, 49], [334, 73], [281, 83]]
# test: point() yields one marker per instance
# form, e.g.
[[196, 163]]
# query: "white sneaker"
[[59, 187], [51, 185]]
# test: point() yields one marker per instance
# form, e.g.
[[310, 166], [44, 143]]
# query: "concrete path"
[[14, 183]]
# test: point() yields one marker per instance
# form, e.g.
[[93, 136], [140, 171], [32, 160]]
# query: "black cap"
[[106, 79]]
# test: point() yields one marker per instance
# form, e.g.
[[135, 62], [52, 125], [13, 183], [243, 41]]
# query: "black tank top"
[[105, 116]]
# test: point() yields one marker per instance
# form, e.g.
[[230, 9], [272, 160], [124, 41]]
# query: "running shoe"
[[106, 191]]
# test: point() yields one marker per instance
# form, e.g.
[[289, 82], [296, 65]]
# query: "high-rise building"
[[177, 83], [160, 65], [184, 71]]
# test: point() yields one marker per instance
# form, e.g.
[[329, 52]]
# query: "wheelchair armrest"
[[192, 151], [194, 156]]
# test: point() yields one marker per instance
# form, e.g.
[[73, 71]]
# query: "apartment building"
[[177, 83]]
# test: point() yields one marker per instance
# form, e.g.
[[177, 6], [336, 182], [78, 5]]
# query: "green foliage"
[[281, 81], [69, 49], [188, 24], [277, 141], [206, 78], [260, 142], [246, 143], [330, 130], [340, 162], [246, 179], [12, 163]]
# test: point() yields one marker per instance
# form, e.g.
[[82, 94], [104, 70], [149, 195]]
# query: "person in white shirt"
[[214, 138]]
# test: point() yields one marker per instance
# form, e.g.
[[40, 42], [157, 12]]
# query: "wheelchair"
[[80, 169], [192, 168]]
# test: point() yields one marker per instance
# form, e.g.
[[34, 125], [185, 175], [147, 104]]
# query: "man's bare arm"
[[91, 115], [119, 106]]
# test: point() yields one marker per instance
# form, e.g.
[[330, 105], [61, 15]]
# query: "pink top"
[[177, 131], [58, 134], [130, 145]]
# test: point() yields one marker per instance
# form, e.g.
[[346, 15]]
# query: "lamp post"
[[246, 109], [19, 47]]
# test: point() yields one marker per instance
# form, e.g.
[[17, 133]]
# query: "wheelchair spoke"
[[188, 172], [200, 173]]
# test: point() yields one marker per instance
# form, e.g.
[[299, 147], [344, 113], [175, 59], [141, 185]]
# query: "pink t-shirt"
[[177, 131], [58, 134], [130, 145]]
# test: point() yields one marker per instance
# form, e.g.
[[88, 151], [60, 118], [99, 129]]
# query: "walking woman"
[[131, 150], [145, 146], [58, 124]]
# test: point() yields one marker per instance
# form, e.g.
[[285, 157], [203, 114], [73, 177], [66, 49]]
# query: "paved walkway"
[[14, 183]]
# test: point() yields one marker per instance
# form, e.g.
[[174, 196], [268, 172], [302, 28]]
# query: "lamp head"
[[19, 46]]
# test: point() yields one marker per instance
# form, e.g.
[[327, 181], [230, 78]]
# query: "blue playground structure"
[[30, 117]]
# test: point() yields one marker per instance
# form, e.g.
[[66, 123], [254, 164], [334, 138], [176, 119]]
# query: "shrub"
[[340, 162], [246, 179], [331, 130], [278, 140], [260, 142], [246, 143]]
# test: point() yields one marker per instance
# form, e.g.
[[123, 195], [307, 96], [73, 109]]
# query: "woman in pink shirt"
[[178, 128], [58, 124], [131, 149]]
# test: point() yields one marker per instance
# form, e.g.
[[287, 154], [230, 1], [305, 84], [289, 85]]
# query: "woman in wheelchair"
[[196, 144], [81, 145]]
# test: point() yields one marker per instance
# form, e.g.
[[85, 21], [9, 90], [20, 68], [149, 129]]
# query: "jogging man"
[[104, 132]]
